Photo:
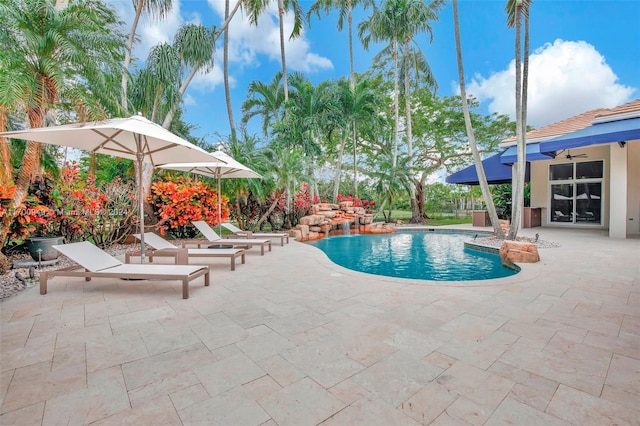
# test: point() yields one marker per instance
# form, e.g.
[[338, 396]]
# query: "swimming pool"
[[438, 256]]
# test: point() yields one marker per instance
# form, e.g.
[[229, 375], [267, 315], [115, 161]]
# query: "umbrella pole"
[[219, 207], [139, 157]]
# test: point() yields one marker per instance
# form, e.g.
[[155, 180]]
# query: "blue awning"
[[533, 153], [494, 169], [613, 131]]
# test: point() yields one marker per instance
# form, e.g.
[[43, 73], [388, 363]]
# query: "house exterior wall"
[[633, 188], [621, 191]]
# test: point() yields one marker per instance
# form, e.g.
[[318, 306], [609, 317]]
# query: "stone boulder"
[[314, 219], [518, 252]]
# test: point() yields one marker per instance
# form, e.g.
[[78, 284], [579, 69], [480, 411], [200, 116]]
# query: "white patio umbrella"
[[135, 138], [225, 169]]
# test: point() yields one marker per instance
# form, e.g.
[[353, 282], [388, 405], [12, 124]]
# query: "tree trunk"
[[272, 207], [396, 105], [420, 200], [225, 63], [127, 55], [482, 178], [6, 172], [352, 81], [517, 195], [415, 207], [285, 83], [336, 185], [30, 162]]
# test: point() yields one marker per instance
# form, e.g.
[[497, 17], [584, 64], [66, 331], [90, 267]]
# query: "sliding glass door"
[[576, 192]]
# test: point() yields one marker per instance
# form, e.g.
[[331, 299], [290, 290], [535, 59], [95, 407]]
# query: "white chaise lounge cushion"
[[88, 256]]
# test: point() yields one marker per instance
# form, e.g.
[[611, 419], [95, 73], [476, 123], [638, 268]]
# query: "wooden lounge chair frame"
[[163, 248], [96, 263], [211, 237], [239, 233]]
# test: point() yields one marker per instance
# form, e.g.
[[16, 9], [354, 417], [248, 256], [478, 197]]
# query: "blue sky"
[[585, 54]]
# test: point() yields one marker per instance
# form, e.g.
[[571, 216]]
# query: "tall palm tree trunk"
[[415, 209], [285, 83], [482, 178], [517, 195], [352, 81], [396, 103], [225, 61], [127, 55]]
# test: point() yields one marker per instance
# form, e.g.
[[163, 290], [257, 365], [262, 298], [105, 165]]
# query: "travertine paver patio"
[[292, 339]]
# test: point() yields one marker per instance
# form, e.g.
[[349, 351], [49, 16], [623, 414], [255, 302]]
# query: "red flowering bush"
[[75, 208], [301, 203], [180, 200]]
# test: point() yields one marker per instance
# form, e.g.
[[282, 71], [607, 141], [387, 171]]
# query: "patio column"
[[618, 191]]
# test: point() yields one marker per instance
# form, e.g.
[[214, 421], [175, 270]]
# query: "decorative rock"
[[322, 221], [330, 214], [314, 219], [515, 251], [304, 230], [366, 219]]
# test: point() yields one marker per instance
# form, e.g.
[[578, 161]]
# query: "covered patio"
[[584, 171]]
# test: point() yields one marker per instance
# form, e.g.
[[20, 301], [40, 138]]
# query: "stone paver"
[[290, 338]]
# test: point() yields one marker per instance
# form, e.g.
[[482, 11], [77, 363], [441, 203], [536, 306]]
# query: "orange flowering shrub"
[[75, 208], [177, 201]]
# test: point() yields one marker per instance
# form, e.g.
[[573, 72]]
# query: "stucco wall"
[[633, 188]]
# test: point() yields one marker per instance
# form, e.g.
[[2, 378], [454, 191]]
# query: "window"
[[576, 192]]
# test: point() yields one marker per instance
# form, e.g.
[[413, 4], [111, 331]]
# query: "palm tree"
[[153, 8], [257, 7], [384, 25], [482, 178], [155, 87], [265, 100], [195, 45], [517, 10], [48, 54], [390, 180], [288, 167], [345, 9], [401, 21], [246, 149], [312, 109], [357, 105], [225, 72]]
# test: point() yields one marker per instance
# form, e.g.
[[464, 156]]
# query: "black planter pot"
[[40, 248]]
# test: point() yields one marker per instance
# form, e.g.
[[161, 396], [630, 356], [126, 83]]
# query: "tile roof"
[[577, 122]]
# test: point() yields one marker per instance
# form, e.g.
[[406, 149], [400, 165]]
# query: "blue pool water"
[[413, 254]]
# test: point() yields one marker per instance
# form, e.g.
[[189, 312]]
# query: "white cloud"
[[565, 78], [248, 43], [189, 100], [149, 32]]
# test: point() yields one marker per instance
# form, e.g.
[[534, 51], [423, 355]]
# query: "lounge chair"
[[561, 217], [100, 264], [211, 237], [239, 233], [163, 248]]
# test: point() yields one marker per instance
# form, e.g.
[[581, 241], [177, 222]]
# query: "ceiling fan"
[[570, 157]]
